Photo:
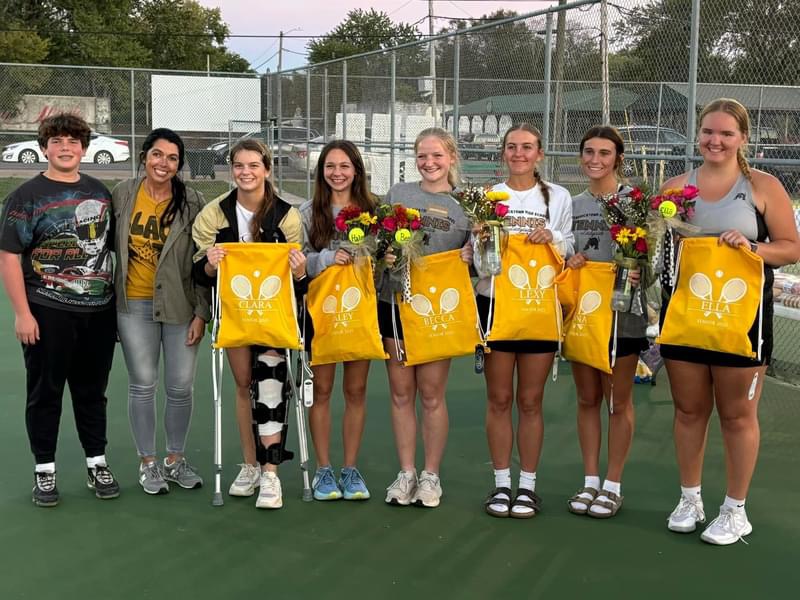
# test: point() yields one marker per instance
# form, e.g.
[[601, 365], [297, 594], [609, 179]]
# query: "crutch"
[[216, 379], [303, 391]]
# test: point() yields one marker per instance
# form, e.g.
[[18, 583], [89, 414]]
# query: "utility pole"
[[434, 108], [280, 52]]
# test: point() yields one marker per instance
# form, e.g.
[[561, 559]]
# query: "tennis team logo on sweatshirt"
[[268, 288], [435, 317], [706, 301]]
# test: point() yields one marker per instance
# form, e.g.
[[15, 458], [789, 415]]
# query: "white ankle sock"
[[527, 481], [733, 503], [691, 493], [502, 478], [45, 468], [608, 486], [93, 461], [589, 481]]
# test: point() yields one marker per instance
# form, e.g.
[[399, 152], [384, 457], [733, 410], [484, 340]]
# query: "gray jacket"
[[176, 297]]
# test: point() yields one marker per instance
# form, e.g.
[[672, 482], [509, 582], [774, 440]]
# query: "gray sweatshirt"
[[445, 225], [593, 240], [317, 262]]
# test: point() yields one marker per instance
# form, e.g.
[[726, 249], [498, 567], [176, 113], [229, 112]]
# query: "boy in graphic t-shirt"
[[56, 266]]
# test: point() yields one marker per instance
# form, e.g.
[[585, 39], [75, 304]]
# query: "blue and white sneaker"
[[352, 484], [324, 485]]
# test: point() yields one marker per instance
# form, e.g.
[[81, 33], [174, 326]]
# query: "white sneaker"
[[728, 528], [429, 490], [687, 515], [402, 489], [246, 481], [270, 495]]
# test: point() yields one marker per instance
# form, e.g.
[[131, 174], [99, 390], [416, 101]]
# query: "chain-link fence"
[[645, 66]]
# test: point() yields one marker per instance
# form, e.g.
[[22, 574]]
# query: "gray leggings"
[[142, 340]]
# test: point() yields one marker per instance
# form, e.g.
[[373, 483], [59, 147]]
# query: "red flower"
[[615, 229], [389, 223], [640, 246], [636, 195], [690, 192], [415, 224], [500, 209], [341, 223], [656, 201]]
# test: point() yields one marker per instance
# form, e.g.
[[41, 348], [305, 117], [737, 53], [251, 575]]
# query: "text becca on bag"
[[717, 298], [585, 294], [525, 306], [441, 321], [344, 310], [254, 297]]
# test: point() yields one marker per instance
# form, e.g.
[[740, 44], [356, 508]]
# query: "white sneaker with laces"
[[687, 515], [402, 490], [246, 481], [429, 490], [270, 494], [728, 528]]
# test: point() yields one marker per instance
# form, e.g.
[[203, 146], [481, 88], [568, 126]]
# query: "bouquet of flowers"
[[675, 206], [630, 221], [399, 231], [359, 228], [485, 209]]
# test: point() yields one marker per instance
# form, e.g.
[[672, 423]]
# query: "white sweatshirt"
[[527, 211]]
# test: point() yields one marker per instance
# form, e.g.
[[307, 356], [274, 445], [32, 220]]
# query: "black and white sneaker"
[[102, 481], [45, 492]]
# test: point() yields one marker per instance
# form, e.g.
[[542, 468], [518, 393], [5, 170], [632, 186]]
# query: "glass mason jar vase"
[[489, 248], [623, 292]]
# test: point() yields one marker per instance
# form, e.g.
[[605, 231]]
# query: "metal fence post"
[[133, 126], [456, 84], [392, 99], [604, 61], [308, 134], [691, 112], [325, 104], [548, 77], [344, 100], [758, 120], [270, 137]]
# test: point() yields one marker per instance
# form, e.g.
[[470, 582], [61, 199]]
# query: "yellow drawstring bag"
[[585, 294], [441, 321], [344, 309], [717, 298], [524, 296], [254, 297]]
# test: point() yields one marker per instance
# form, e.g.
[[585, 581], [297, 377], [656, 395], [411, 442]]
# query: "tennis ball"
[[668, 209], [402, 235], [356, 235]]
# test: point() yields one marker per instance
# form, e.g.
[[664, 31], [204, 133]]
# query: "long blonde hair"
[[449, 143], [734, 108]]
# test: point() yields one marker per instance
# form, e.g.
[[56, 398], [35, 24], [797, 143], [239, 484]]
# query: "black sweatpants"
[[77, 349]]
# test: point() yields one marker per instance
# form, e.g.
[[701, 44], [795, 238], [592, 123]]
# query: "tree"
[[157, 34], [368, 77], [654, 42], [362, 31]]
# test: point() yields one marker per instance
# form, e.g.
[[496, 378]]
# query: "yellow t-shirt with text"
[[146, 239]]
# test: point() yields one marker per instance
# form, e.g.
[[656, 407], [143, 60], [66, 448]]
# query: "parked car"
[[649, 139], [484, 146], [279, 145], [102, 150]]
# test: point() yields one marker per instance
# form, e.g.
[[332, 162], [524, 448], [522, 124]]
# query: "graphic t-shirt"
[[61, 230], [146, 239]]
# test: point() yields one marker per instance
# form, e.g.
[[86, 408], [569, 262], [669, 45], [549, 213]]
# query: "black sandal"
[[494, 497], [535, 504]]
